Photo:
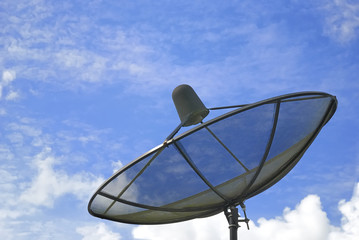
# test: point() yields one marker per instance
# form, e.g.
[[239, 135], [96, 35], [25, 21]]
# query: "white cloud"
[[211, 228], [25, 129], [342, 22], [8, 76], [141, 61], [21, 198], [64, 47], [38, 178], [116, 165], [306, 221], [97, 232], [5, 153], [350, 221], [12, 95], [50, 184]]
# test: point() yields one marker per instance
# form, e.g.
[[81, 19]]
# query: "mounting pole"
[[232, 218]]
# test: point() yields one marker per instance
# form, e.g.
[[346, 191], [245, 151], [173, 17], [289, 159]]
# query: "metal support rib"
[[266, 152], [229, 151], [138, 174], [225, 107], [285, 100], [174, 132], [194, 167]]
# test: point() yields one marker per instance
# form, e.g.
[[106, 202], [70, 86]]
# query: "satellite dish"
[[216, 165]]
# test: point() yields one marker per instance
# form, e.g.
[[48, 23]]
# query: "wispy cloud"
[[12, 95], [8, 76], [73, 51], [342, 20], [23, 198], [35, 178], [49, 184]]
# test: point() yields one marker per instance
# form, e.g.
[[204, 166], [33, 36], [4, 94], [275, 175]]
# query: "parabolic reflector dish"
[[216, 164]]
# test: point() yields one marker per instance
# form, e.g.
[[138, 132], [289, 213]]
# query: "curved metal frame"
[[216, 208]]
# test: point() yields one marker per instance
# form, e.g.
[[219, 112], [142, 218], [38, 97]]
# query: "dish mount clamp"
[[233, 219]]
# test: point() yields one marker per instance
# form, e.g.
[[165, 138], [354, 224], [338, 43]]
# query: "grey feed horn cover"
[[217, 164], [189, 106]]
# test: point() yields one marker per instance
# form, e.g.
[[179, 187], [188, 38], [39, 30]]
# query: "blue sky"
[[86, 88]]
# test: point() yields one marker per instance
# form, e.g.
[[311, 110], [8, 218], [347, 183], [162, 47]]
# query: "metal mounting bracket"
[[233, 219]]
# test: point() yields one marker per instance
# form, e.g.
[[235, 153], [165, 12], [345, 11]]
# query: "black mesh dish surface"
[[218, 163]]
